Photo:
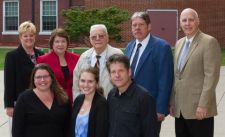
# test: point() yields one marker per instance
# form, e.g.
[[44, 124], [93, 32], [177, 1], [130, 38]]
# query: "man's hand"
[[201, 113], [160, 116], [9, 111]]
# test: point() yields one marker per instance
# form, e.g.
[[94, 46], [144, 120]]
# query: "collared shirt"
[[190, 40], [131, 114], [102, 59], [141, 49]]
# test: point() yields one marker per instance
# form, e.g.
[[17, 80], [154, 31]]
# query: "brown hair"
[[143, 15], [61, 33], [120, 58], [95, 72], [58, 91]]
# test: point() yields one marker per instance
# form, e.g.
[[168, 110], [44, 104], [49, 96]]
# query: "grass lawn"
[[3, 51]]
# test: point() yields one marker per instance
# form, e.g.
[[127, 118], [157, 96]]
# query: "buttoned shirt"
[[131, 114], [144, 44], [102, 59]]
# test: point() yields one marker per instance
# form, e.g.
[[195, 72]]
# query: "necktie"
[[183, 55], [135, 59], [97, 64]]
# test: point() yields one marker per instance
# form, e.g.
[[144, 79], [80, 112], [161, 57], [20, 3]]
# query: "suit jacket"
[[195, 85], [98, 116], [52, 60], [17, 71], [85, 62], [155, 71]]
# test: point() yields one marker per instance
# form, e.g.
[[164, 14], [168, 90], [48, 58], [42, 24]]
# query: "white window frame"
[[43, 32], [5, 32]]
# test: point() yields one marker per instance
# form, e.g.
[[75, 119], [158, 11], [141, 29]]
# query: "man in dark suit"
[[197, 68], [151, 62]]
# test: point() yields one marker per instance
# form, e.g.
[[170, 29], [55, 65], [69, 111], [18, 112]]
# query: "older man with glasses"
[[96, 57]]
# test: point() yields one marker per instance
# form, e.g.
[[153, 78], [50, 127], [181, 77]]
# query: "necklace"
[[82, 110]]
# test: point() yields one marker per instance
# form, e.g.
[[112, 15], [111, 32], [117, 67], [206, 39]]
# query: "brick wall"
[[211, 13]]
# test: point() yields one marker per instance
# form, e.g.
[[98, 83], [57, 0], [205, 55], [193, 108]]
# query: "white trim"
[[170, 10], [4, 32], [45, 33], [41, 9]]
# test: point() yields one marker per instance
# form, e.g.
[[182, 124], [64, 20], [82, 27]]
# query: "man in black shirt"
[[132, 111]]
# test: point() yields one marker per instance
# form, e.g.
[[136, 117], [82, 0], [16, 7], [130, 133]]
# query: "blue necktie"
[[135, 59], [183, 55]]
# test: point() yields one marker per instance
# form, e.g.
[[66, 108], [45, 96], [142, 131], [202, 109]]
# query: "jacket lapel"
[[145, 54], [193, 46]]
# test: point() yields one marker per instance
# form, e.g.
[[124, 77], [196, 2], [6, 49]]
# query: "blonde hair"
[[27, 26]]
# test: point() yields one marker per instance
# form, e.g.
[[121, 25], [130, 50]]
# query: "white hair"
[[98, 26]]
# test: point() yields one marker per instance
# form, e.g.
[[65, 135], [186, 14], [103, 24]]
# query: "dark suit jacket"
[[17, 71], [155, 71], [98, 116], [52, 60]]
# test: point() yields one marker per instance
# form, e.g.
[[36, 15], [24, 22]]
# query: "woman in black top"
[[43, 110], [18, 66], [90, 114]]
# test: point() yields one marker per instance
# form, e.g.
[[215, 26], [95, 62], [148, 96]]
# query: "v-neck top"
[[33, 119]]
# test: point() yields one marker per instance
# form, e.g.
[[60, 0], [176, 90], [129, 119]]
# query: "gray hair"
[[143, 15], [98, 26]]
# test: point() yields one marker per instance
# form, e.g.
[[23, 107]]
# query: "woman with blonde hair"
[[18, 66]]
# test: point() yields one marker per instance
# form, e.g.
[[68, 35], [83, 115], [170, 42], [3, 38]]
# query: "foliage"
[[78, 22]]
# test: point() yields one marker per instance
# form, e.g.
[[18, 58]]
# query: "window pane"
[[49, 22], [49, 8], [49, 15], [11, 16]]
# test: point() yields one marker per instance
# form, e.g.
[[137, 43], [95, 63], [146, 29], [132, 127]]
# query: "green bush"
[[78, 22]]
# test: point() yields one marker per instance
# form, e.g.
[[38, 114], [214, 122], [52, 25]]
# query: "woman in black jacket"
[[90, 114], [18, 66]]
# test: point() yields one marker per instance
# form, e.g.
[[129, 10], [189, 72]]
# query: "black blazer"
[[17, 71], [98, 116]]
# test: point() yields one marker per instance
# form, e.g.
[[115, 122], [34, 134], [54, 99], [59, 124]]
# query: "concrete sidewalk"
[[167, 126]]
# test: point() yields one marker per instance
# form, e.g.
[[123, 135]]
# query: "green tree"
[[78, 22]]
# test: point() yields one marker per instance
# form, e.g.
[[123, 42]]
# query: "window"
[[48, 15], [10, 13]]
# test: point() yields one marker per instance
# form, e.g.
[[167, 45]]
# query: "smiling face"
[[140, 29], [42, 80], [189, 22], [59, 45], [27, 39], [87, 83], [120, 75]]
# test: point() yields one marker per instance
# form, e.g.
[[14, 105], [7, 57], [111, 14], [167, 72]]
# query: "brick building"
[[46, 16]]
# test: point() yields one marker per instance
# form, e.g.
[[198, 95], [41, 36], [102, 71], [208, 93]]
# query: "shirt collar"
[[145, 41], [128, 92]]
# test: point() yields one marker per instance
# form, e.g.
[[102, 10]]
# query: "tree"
[[78, 22]]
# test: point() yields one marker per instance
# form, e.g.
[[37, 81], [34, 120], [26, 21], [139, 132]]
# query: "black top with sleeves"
[[17, 71], [98, 116], [33, 119], [131, 114]]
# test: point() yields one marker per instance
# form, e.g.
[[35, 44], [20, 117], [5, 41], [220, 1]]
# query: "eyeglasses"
[[41, 77], [99, 36]]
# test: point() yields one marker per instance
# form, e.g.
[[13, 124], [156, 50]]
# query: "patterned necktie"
[[97, 64], [135, 59], [183, 55]]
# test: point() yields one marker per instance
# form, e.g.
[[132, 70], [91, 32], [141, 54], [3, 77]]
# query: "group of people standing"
[[104, 93]]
